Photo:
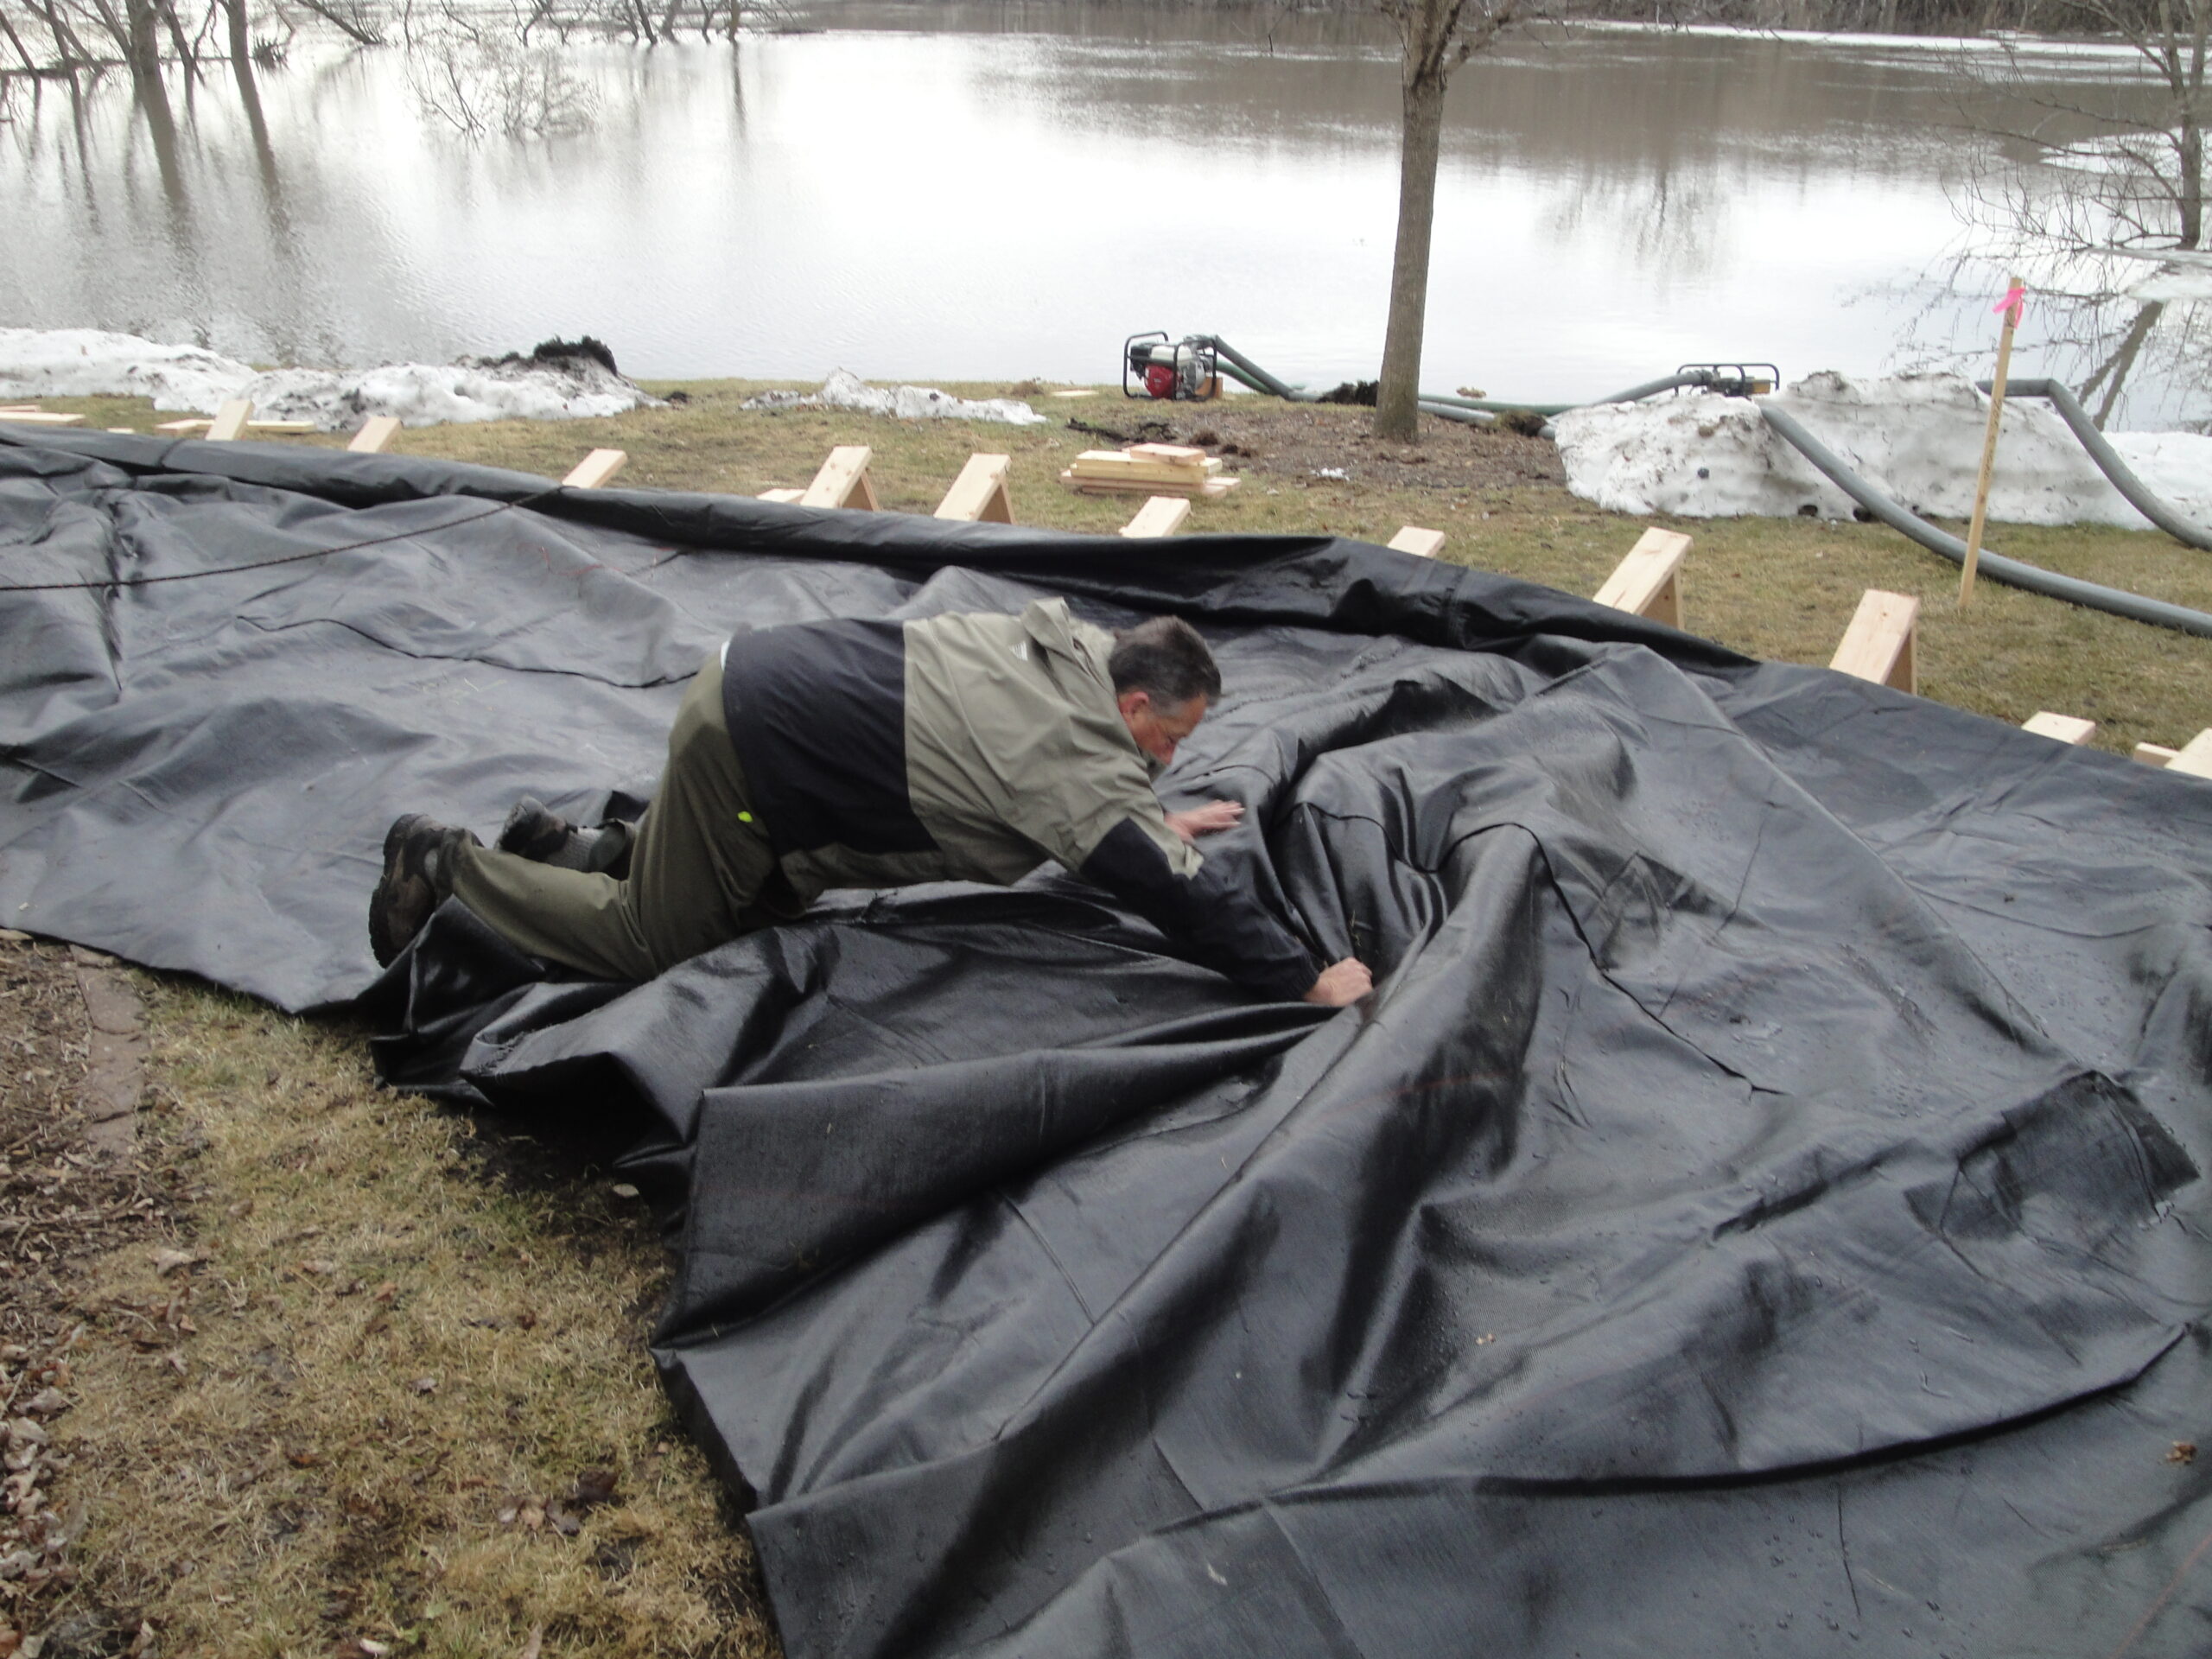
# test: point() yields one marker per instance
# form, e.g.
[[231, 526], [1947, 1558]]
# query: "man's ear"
[[1133, 702]]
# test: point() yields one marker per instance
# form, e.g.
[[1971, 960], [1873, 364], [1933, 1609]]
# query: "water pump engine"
[[1154, 366]]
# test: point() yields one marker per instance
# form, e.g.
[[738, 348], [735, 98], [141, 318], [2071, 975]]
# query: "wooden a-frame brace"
[[1163, 515], [1649, 582], [1879, 644], [1423, 543], [842, 481], [979, 494], [594, 471]]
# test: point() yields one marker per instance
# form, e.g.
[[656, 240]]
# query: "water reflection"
[[962, 192]]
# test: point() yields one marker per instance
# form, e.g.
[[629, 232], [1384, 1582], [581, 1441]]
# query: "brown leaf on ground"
[[532, 1515], [594, 1486], [168, 1261], [386, 1290], [2183, 1452], [46, 1403], [424, 1385], [531, 1648]]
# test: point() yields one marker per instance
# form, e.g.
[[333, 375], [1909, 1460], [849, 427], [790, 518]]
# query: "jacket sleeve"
[[1221, 923]]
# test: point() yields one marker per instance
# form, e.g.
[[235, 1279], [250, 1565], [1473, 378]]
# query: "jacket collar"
[[1083, 671]]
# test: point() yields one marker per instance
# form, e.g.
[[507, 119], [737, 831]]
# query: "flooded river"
[[963, 192]]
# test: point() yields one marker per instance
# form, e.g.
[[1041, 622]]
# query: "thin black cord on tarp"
[[271, 564]]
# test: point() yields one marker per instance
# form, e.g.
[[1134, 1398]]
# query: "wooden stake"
[[2011, 305]]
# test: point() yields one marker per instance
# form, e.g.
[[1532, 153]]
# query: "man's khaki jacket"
[[974, 747]]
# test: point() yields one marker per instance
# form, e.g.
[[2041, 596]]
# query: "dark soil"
[[60, 1203], [1309, 441]]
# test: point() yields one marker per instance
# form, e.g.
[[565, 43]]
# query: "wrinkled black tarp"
[[1760, 1212]]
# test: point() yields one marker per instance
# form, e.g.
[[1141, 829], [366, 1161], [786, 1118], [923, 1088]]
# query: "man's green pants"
[[698, 863]]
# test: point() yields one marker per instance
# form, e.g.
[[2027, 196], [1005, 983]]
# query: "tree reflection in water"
[[1611, 203], [2093, 167]]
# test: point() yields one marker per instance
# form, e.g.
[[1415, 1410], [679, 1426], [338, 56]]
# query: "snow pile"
[[423, 394], [845, 389], [87, 363], [1917, 438]]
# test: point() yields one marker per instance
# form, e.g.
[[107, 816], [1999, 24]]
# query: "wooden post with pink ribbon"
[[2014, 302]]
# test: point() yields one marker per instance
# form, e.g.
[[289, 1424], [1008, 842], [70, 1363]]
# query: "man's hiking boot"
[[535, 832], [417, 879]]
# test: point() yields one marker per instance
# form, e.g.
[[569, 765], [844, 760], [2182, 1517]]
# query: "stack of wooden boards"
[[1149, 469]]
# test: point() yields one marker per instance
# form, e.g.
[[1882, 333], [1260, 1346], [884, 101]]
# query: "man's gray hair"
[[1165, 658]]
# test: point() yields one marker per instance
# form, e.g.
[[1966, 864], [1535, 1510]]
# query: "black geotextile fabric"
[[1759, 1210]]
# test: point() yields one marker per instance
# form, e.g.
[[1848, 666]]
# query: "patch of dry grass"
[[405, 1356]]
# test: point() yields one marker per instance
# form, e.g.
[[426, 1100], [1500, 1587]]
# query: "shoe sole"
[[386, 896]]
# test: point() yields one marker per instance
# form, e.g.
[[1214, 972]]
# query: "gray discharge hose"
[[1995, 566], [2011, 572], [2109, 462], [1467, 411]]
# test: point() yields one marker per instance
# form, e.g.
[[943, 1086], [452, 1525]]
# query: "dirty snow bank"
[[845, 389], [88, 363], [1916, 437]]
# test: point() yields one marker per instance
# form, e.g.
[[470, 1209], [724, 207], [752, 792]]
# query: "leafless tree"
[[2091, 166], [1437, 36]]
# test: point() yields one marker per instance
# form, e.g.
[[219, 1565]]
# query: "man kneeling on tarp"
[[872, 755]]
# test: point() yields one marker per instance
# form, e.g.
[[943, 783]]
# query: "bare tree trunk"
[[2191, 195], [1398, 399], [2121, 361], [17, 40], [70, 49], [242, 71], [185, 55]]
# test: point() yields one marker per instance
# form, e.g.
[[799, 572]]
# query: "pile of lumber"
[[1149, 469], [32, 415]]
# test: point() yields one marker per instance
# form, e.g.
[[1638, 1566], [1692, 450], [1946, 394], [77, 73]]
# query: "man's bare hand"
[[1341, 982], [1213, 816]]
